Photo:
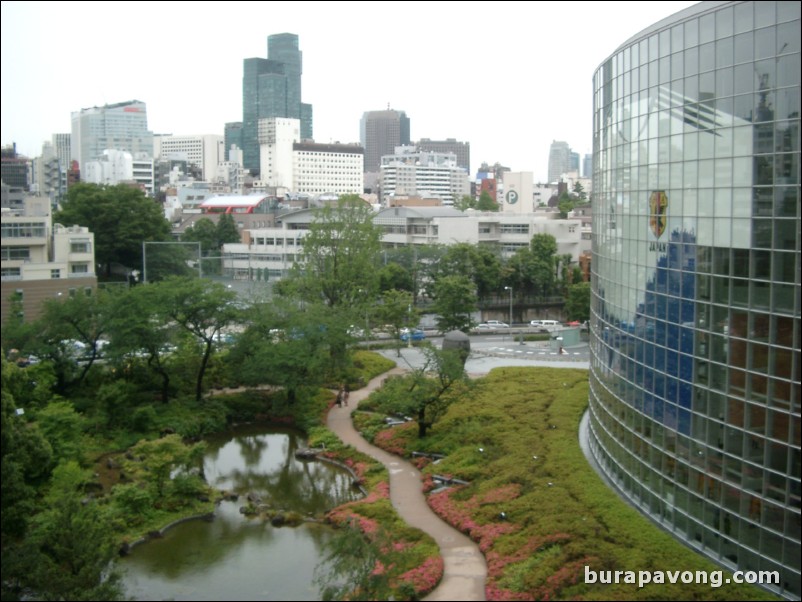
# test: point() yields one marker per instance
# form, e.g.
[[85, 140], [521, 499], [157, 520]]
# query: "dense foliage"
[[536, 508]]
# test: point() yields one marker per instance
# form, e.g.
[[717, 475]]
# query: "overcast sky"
[[508, 77]]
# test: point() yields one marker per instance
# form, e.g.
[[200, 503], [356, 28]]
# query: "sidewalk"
[[464, 569]]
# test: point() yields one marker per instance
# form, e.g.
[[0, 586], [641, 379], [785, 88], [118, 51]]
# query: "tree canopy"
[[340, 255], [120, 217], [454, 302], [426, 392]]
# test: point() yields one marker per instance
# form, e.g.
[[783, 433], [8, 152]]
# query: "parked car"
[[417, 334]]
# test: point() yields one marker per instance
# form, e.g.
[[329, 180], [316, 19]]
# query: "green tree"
[[579, 192], [544, 250], [339, 259], [25, 465], [62, 427], [418, 260], [159, 461], [562, 264], [577, 302], [284, 345], [394, 276], [565, 204], [202, 308], [454, 302], [70, 547], [519, 272], [227, 231], [396, 310], [427, 391], [120, 217], [481, 263], [486, 202], [81, 317], [339, 268], [141, 325], [203, 231], [465, 203]]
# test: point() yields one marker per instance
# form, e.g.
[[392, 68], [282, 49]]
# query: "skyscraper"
[[271, 87], [122, 126], [233, 137], [380, 132], [559, 160], [695, 309], [587, 166]]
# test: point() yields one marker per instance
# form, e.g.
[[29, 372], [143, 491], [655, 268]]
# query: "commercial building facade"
[[204, 151], [41, 260], [122, 126], [695, 310], [275, 249], [327, 168], [409, 172], [380, 132], [271, 87]]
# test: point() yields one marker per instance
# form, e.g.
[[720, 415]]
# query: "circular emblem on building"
[[512, 197], [658, 205]]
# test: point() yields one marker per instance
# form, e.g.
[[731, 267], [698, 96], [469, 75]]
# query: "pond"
[[233, 557]]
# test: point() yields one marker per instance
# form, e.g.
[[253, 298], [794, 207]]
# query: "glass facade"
[[271, 87], [695, 317]]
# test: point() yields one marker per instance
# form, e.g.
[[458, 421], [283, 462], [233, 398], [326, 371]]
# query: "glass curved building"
[[695, 316]]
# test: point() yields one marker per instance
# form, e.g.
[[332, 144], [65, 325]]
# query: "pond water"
[[236, 558]]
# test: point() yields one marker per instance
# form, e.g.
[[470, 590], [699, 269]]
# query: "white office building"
[[204, 151], [273, 251], [276, 137], [410, 172], [121, 126], [327, 168]]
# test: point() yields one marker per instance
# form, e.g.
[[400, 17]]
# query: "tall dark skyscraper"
[[271, 87], [380, 132]]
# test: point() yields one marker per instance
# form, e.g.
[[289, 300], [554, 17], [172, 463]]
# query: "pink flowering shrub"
[[502, 494], [425, 577], [396, 440]]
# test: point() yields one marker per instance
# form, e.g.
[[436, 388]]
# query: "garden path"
[[464, 567]]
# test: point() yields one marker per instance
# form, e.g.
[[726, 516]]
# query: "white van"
[[547, 325]]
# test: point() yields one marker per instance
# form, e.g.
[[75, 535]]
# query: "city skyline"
[[492, 90]]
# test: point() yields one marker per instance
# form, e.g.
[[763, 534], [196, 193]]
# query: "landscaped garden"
[[537, 510]]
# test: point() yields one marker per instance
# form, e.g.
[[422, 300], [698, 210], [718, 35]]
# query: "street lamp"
[[509, 288]]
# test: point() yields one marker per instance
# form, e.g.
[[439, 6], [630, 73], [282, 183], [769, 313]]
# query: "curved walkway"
[[464, 567]]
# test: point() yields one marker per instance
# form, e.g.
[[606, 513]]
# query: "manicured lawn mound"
[[536, 508]]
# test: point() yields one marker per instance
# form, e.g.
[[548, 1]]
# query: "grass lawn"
[[516, 441]]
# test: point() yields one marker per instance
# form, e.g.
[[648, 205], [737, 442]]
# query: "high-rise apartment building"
[[559, 160], [271, 87], [695, 311], [122, 126], [380, 132]]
